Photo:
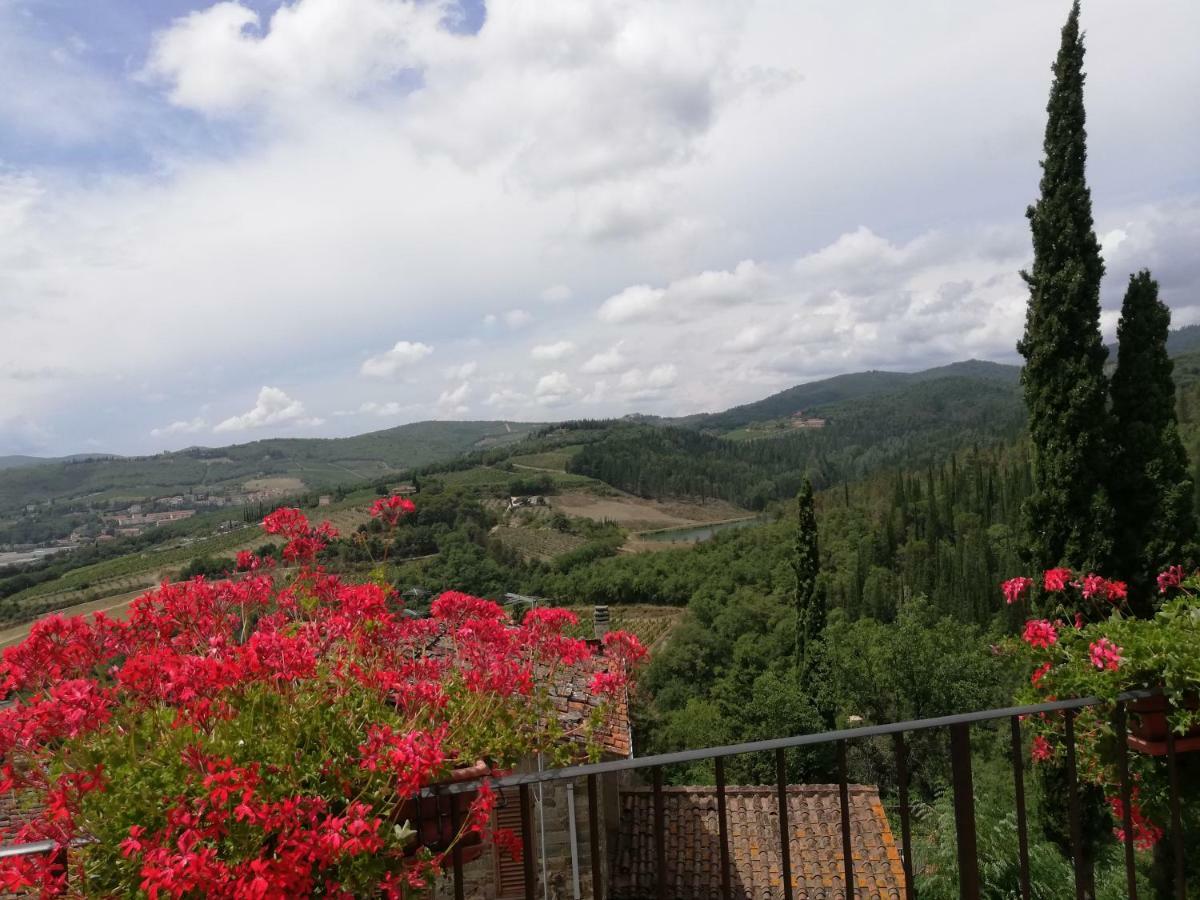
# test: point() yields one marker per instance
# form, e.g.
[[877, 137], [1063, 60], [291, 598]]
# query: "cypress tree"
[[1151, 486], [1068, 518], [810, 592]]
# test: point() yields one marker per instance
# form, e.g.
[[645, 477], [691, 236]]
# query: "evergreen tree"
[[810, 592], [1151, 487], [1068, 517]]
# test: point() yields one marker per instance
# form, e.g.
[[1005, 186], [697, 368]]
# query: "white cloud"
[[557, 350], [556, 293], [606, 361], [273, 407], [553, 389], [225, 59], [748, 339], [341, 172], [517, 318], [371, 407], [453, 401], [185, 426], [638, 383], [687, 297], [462, 372], [389, 364], [506, 397], [636, 302]]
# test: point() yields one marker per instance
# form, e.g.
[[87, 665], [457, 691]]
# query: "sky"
[[221, 222]]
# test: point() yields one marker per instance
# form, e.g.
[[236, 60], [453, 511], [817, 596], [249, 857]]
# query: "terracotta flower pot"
[[434, 817], [1148, 726]]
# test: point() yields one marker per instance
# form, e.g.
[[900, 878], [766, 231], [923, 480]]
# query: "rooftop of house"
[[693, 844]]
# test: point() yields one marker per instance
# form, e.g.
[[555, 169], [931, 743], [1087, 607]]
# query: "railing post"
[[785, 833], [456, 853], [660, 836], [964, 811], [1073, 815], [844, 796], [1119, 728], [723, 828], [1018, 766], [594, 836], [527, 842], [905, 813], [1176, 818]]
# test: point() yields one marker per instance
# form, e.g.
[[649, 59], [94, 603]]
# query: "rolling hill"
[[313, 461]]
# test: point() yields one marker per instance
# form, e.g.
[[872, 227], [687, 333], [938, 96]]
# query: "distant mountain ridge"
[[327, 461], [815, 395], [18, 461]]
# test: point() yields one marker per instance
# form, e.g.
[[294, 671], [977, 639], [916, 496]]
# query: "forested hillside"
[[921, 423], [314, 461]]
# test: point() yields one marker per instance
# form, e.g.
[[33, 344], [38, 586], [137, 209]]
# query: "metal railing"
[[959, 729]]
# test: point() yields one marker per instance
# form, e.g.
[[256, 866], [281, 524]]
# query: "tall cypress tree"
[[1068, 518], [1151, 487], [810, 592]]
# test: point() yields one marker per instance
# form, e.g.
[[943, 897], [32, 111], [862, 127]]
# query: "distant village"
[[104, 523]]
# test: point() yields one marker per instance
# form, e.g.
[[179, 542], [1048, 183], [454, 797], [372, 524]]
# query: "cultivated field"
[[650, 624], [638, 514], [537, 543]]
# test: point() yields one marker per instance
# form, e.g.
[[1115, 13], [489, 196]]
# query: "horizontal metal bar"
[[688, 756], [801, 740], [33, 849]]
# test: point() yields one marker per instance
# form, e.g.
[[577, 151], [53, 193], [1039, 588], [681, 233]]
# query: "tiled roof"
[[693, 853], [575, 702], [15, 809]]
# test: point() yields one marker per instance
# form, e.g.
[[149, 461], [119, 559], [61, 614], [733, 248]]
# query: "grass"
[[551, 460]]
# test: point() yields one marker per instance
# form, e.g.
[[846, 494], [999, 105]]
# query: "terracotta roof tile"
[[693, 844]]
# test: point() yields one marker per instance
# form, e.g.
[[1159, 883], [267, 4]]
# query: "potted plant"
[[273, 739], [1087, 645]]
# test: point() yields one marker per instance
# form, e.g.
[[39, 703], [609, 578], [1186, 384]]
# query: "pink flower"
[[1056, 579], [1170, 578], [1015, 588], [1103, 589], [1041, 750], [1105, 654], [1040, 633]]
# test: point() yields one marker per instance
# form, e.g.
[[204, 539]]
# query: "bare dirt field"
[[637, 514]]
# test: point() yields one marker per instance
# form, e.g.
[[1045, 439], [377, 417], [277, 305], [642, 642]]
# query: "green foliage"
[[1151, 488], [212, 567], [810, 592], [925, 421], [922, 665], [1068, 515]]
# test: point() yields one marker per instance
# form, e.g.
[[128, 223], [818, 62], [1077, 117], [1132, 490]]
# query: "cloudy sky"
[[220, 222]]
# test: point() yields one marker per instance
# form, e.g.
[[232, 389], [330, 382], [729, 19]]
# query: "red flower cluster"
[[1172, 577], [1145, 833], [391, 509], [248, 739], [1105, 654], [303, 541], [1016, 588], [1056, 579], [1041, 750], [1040, 633]]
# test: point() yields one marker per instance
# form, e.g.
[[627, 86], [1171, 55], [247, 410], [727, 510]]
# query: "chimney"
[[600, 620]]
